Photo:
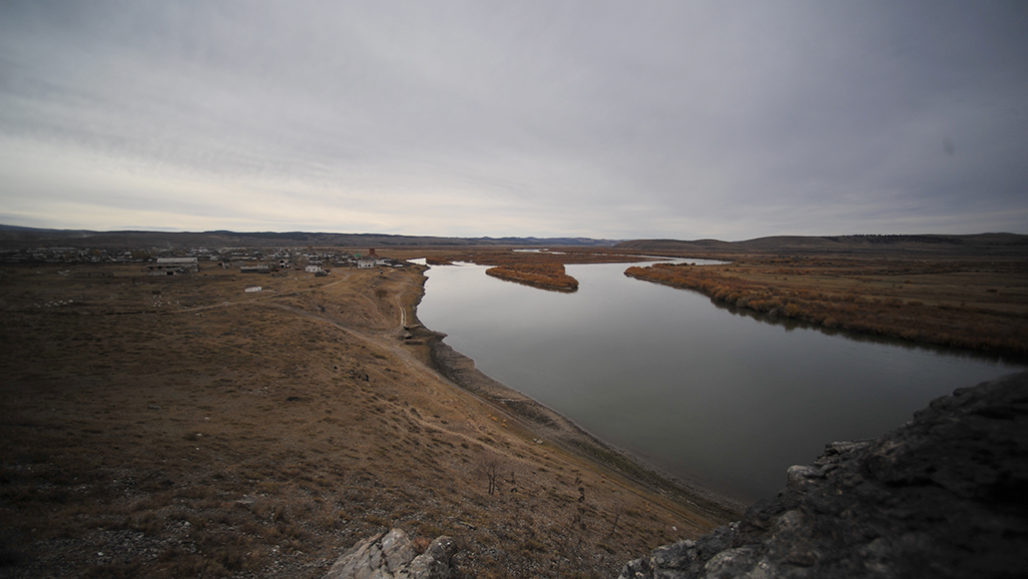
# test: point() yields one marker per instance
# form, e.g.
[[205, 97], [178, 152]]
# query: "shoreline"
[[555, 428]]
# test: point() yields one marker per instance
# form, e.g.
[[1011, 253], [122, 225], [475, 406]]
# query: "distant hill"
[[1006, 244], [1009, 244], [13, 237]]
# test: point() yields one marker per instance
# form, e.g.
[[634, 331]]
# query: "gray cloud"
[[613, 119]]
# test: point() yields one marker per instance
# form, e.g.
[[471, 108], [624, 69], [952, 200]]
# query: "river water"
[[714, 398]]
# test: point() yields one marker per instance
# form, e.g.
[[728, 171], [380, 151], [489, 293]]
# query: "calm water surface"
[[715, 398]]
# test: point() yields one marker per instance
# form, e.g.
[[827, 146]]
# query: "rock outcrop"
[[391, 556], [942, 496]]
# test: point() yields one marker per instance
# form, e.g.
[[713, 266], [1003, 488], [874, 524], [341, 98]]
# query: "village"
[[176, 262]]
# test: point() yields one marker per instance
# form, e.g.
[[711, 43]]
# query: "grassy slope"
[[179, 426]]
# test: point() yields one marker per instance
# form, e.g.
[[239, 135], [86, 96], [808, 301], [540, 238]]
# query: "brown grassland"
[[972, 304], [177, 426]]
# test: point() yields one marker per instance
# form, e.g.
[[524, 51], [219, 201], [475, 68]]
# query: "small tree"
[[492, 472], [617, 517]]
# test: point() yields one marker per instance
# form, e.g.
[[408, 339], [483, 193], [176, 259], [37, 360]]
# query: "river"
[[714, 398]]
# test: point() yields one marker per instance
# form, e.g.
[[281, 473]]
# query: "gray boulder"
[[391, 556], [942, 496]]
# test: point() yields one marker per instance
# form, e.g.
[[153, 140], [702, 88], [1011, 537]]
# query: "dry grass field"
[[972, 304], [180, 426]]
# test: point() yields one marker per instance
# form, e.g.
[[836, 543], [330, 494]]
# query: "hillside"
[[184, 426], [20, 237], [983, 244]]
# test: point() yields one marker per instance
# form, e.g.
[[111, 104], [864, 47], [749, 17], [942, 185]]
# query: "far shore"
[[975, 306]]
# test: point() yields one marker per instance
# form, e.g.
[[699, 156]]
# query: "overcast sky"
[[632, 119]]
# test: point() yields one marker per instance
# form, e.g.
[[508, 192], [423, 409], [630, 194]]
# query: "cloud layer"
[[603, 119]]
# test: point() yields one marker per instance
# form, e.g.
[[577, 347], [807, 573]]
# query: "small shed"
[[173, 265]]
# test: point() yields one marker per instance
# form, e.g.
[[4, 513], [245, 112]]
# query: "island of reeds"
[[550, 276]]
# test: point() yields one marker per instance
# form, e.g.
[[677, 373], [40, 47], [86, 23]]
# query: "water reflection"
[[724, 400]]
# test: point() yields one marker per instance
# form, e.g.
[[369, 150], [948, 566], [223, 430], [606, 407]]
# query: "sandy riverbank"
[[554, 428]]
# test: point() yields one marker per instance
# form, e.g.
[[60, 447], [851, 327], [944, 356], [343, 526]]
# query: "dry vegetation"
[[177, 426], [551, 276], [979, 305]]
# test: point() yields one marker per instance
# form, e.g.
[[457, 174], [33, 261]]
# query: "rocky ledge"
[[942, 496], [392, 556]]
